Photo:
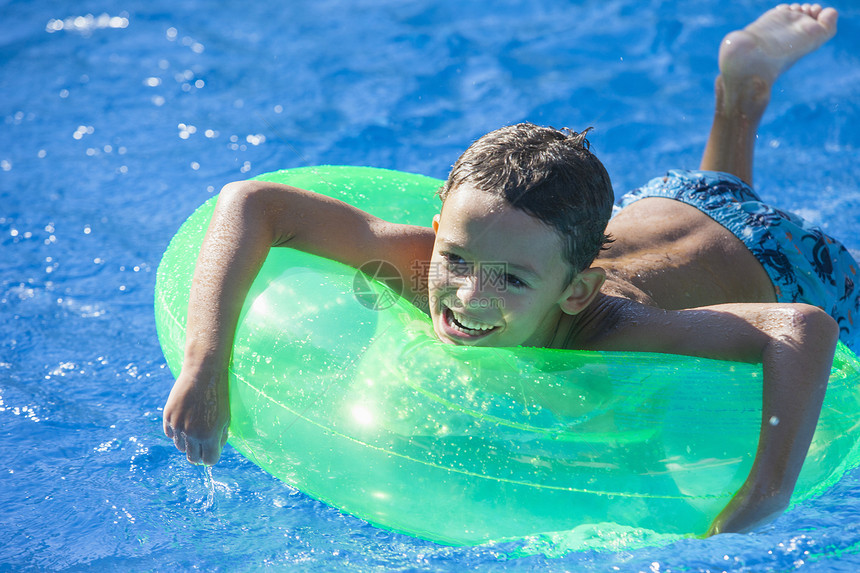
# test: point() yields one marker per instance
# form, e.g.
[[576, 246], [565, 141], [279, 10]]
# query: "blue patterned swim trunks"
[[804, 264]]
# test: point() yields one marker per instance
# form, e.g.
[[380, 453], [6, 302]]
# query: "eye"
[[515, 281], [455, 263]]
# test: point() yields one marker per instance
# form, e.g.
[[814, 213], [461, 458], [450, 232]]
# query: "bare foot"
[[750, 62], [770, 45]]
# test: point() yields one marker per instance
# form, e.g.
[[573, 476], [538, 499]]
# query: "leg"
[[750, 62]]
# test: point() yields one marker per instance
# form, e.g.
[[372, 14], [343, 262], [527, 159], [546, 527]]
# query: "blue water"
[[115, 126]]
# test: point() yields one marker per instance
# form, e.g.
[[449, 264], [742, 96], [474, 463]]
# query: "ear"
[[582, 290], [436, 218]]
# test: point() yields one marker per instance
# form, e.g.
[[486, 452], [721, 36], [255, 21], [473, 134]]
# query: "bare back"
[[673, 256]]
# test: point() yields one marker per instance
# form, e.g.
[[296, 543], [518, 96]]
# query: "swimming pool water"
[[115, 126]]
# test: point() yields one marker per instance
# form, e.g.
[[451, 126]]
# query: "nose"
[[467, 286], [470, 291]]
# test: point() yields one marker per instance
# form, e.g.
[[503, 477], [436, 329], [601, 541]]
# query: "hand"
[[747, 511], [197, 417]]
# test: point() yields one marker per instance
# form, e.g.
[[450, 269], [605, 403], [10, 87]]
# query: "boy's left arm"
[[794, 343]]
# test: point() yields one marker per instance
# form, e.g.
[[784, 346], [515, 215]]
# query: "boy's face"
[[497, 275]]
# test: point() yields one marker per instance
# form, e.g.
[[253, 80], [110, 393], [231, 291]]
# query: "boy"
[[690, 270]]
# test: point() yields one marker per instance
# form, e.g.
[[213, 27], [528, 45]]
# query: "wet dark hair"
[[549, 174]]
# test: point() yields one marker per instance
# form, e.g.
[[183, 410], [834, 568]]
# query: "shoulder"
[[605, 319], [739, 332]]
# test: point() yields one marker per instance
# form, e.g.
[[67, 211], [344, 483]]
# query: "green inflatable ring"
[[339, 387]]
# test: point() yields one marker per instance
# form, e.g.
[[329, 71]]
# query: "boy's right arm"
[[249, 219]]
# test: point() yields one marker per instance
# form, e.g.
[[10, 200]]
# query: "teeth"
[[468, 323]]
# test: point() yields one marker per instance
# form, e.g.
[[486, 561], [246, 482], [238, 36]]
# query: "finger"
[[193, 452], [211, 454], [179, 441]]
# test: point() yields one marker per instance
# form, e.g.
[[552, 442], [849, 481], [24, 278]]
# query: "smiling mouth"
[[466, 326]]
